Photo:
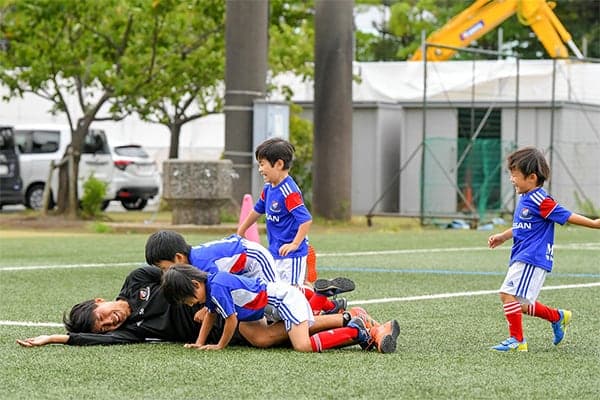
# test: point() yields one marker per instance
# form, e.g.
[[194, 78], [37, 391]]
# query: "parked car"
[[11, 186], [40, 144], [135, 177]]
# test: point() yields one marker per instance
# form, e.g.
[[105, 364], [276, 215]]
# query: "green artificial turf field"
[[439, 284]]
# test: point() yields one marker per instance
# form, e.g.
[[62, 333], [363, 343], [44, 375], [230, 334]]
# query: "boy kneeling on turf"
[[237, 298]]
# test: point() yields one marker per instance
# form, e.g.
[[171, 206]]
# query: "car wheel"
[[134, 204], [35, 197], [104, 205]]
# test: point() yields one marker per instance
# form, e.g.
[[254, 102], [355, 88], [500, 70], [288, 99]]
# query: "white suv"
[[135, 177], [39, 144]]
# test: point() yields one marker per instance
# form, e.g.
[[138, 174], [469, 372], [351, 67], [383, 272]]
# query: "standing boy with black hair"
[[532, 252], [287, 218]]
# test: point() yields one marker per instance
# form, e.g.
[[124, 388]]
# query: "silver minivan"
[[39, 144]]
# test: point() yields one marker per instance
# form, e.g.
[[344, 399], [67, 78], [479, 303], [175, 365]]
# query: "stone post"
[[196, 190]]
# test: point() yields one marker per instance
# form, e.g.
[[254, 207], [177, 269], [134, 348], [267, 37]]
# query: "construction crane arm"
[[485, 15]]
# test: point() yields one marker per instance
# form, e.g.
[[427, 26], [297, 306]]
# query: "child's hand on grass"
[[34, 341], [202, 346]]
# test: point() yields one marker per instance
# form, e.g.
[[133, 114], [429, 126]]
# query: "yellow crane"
[[484, 15]]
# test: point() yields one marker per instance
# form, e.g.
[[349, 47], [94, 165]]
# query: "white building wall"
[[376, 134]]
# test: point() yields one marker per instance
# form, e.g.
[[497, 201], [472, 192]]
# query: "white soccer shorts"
[[289, 302], [524, 281], [292, 269]]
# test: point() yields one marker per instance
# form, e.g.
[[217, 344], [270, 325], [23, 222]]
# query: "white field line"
[[574, 246], [68, 266], [354, 302], [31, 324], [462, 294]]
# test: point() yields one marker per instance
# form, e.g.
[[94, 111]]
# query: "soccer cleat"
[[359, 312], [511, 344], [339, 307], [384, 336], [560, 327], [332, 287], [364, 337]]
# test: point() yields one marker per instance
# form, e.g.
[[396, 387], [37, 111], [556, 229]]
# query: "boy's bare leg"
[[260, 334], [328, 321]]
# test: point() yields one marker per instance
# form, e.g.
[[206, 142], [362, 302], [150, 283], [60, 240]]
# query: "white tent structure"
[[493, 80]]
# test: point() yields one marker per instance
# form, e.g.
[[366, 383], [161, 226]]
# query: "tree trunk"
[[332, 168], [175, 130], [62, 195], [67, 196]]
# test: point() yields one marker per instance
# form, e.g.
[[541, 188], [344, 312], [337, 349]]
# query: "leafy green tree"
[[92, 198], [86, 49], [190, 49], [191, 85], [301, 136]]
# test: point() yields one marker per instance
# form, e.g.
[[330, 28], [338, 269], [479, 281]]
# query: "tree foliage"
[[291, 38], [163, 59], [81, 49], [190, 53]]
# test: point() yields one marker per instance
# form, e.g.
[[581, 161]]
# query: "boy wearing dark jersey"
[[140, 313]]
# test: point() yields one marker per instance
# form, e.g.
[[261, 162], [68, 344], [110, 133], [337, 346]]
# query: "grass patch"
[[442, 350]]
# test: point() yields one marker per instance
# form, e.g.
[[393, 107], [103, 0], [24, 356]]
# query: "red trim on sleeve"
[[547, 206], [293, 200]]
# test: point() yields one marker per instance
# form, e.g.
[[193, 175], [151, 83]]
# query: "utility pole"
[[332, 153], [246, 43]]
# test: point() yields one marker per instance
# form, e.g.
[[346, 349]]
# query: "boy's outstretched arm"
[[499, 238], [577, 219], [43, 340]]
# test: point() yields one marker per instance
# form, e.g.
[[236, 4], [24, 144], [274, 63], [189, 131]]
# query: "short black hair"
[[81, 318], [176, 282], [529, 160], [163, 245], [276, 149]]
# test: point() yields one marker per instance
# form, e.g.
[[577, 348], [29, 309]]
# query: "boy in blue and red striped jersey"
[[288, 222], [239, 256], [532, 252], [287, 218], [232, 254], [237, 298]]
